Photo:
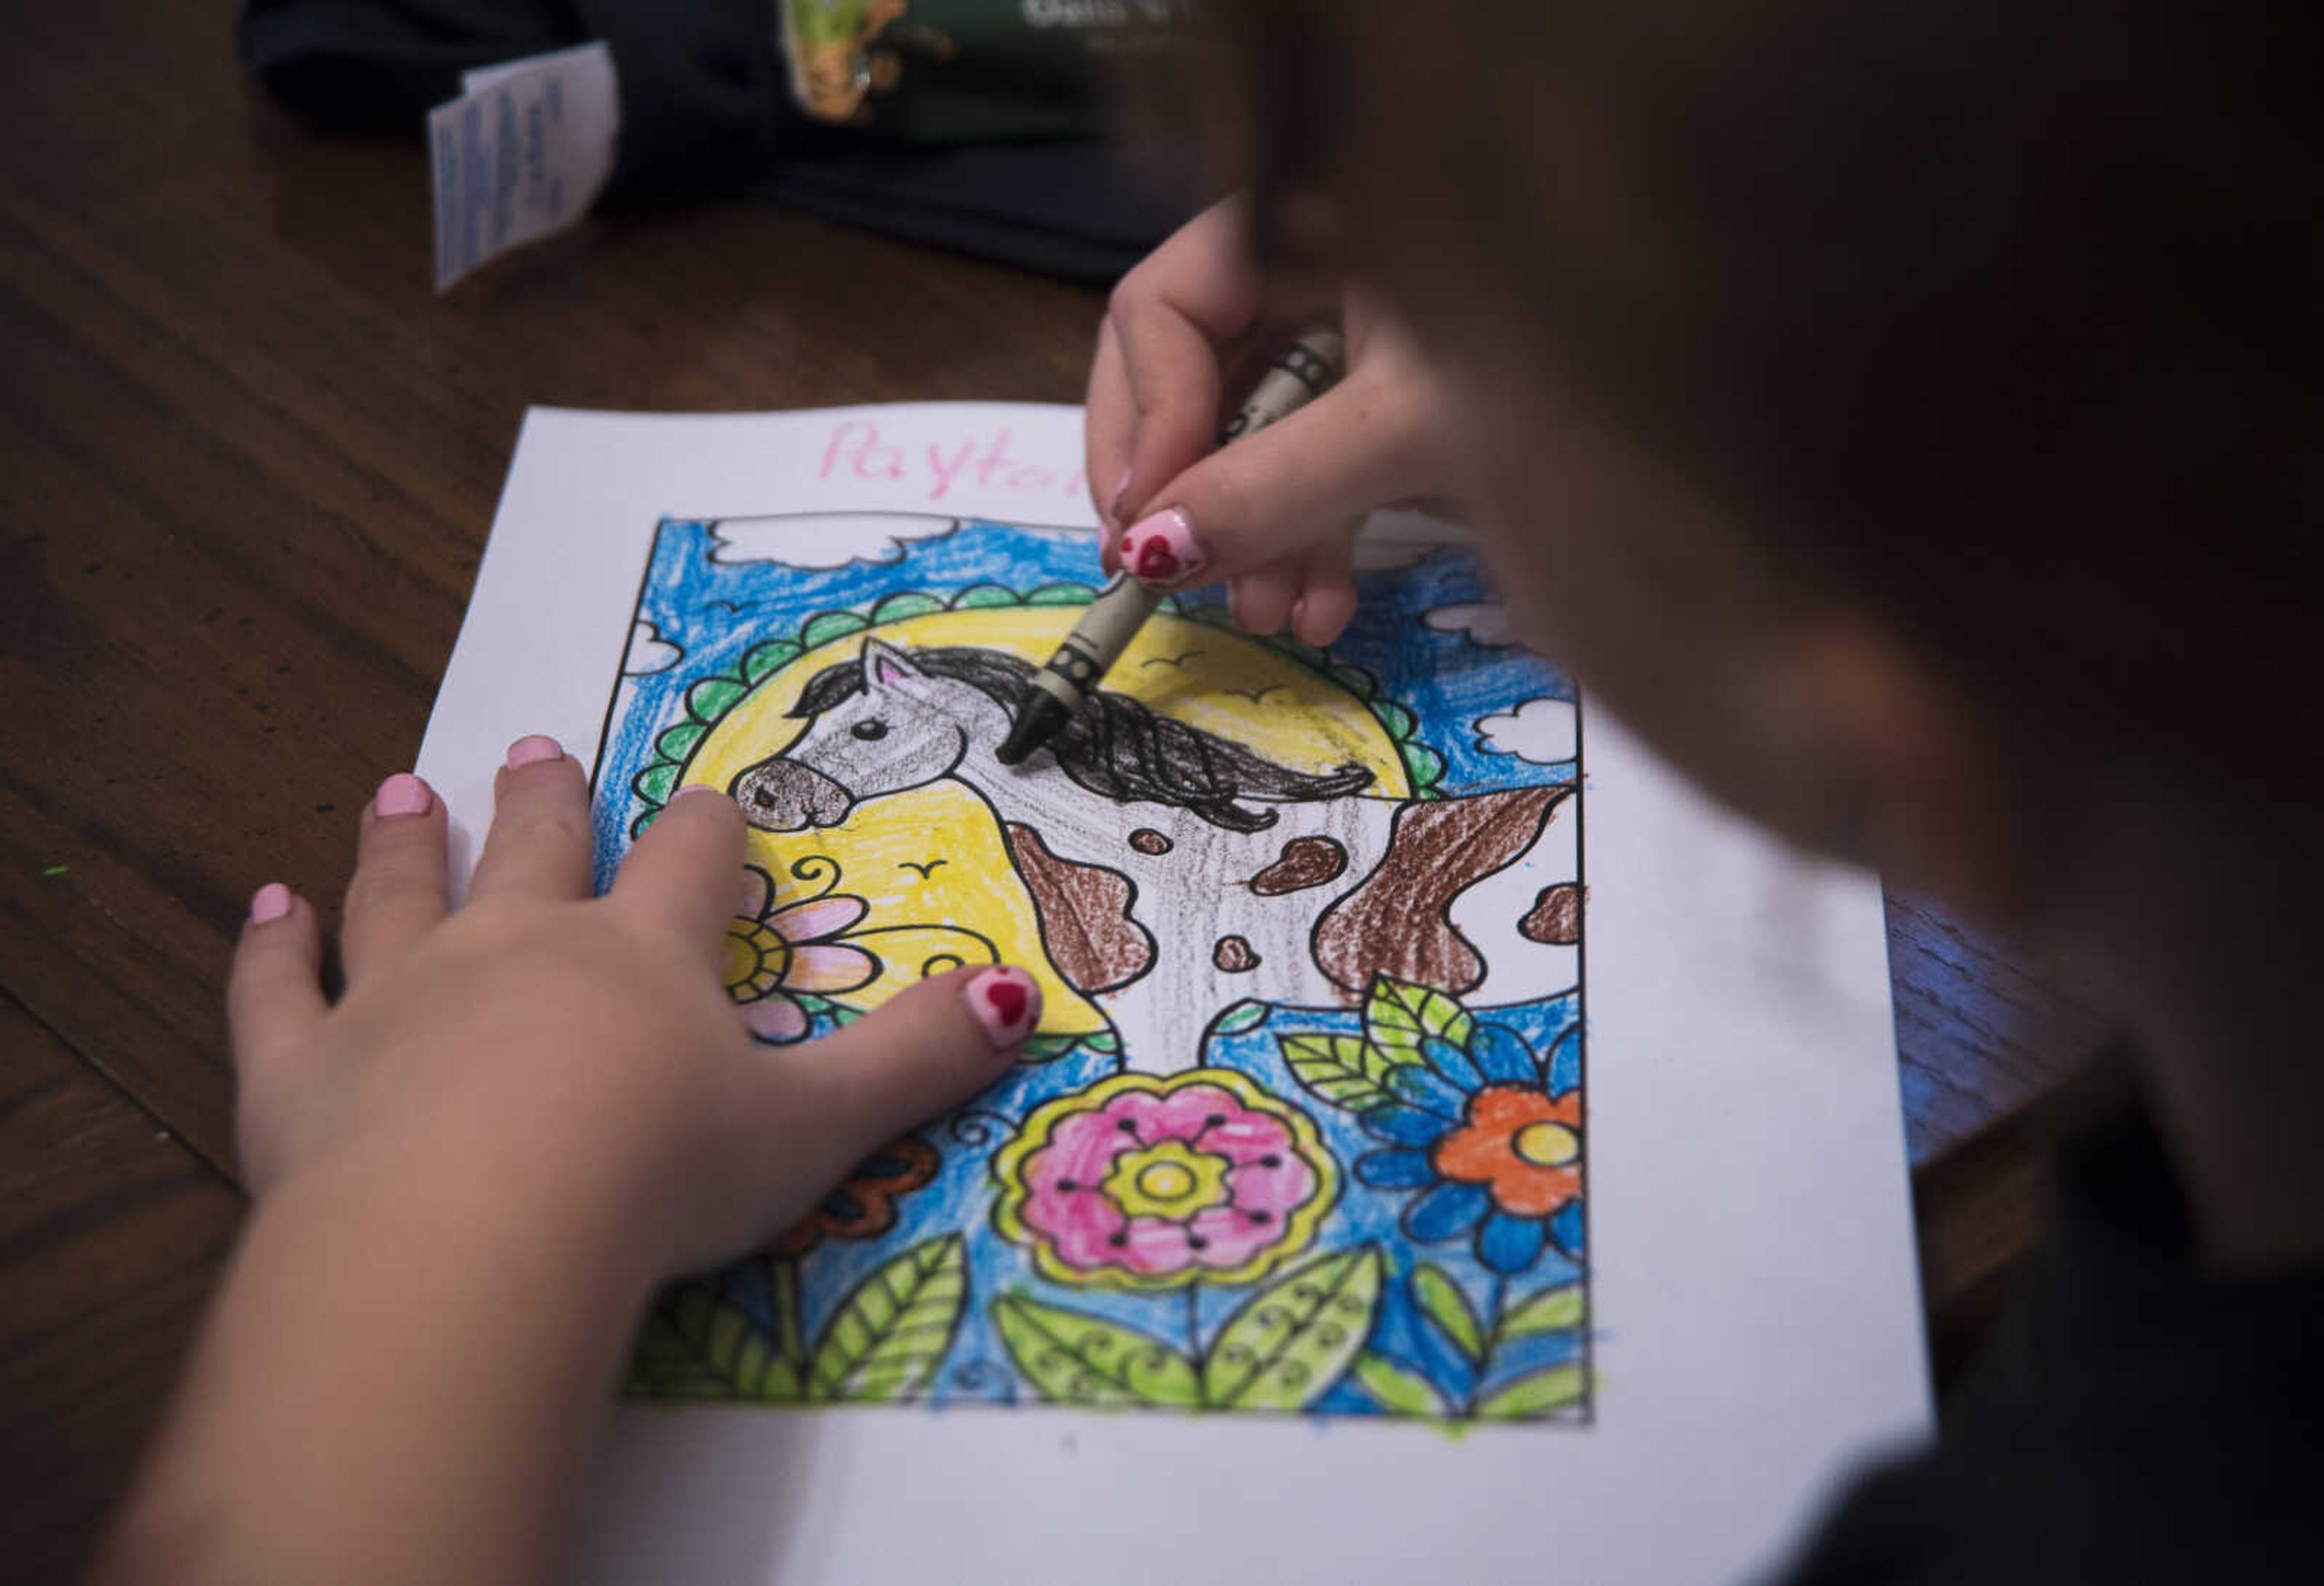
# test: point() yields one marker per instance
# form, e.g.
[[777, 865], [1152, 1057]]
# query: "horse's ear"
[[886, 667]]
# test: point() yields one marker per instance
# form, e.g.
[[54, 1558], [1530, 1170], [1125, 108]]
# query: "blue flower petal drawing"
[[1509, 1244], [1502, 1056], [1446, 1211], [1403, 1126], [1453, 1064], [1395, 1170], [1420, 1088], [1488, 1138]]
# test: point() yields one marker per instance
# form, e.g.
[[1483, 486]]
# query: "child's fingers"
[[396, 895], [1261, 599], [1108, 418], [539, 846], [680, 876], [929, 1049], [1328, 603], [1286, 489], [1171, 315], [274, 994]]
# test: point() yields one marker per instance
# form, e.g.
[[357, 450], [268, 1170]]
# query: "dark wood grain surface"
[[247, 462]]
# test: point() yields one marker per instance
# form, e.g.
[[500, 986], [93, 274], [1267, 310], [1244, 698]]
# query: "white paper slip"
[[1449, 1149], [521, 154]]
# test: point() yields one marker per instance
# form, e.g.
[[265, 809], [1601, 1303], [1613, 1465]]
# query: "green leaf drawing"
[[1552, 1310], [890, 1330], [1061, 594], [713, 698], [1047, 1048], [1398, 1016], [654, 782], [826, 626], [695, 1346], [1442, 1299], [1338, 1069], [770, 657], [979, 596], [1072, 1358], [1244, 1015], [1408, 1393], [1104, 1042], [1393, 717], [678, 742], [895, 608], [1423, 764], [1288, 1343], [1535, 1395]]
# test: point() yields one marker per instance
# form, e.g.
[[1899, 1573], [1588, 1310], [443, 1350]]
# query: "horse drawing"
[[1175, 871]]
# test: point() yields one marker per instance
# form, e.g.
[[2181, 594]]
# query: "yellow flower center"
[[1170, 1180], [753, 961], [1165, 1180], [1546, 1144]]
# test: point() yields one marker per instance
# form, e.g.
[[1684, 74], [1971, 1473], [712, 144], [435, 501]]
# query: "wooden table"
[[247, 465]]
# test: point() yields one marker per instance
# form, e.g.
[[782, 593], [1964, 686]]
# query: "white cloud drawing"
[[822, 541], [1381, 556], [1541, 731], [1398, 537], [649, 652], [1486, 622]]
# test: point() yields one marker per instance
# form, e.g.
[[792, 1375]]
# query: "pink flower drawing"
[[771, 953], [1148, 1182]]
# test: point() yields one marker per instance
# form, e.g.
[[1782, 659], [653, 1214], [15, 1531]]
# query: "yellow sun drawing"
[[932, 863]]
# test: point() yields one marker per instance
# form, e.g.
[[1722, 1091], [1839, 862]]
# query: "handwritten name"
[[855, 451]]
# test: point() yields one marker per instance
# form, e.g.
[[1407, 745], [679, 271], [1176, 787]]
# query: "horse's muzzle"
[[784, 796]]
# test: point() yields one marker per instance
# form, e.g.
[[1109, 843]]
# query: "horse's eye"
[[870, 729]]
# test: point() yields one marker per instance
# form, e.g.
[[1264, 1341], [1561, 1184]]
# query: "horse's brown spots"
[[1233, 955], [1395, 922], [1148, 841], [1306, 862], [1084, 912], [1555, 917]]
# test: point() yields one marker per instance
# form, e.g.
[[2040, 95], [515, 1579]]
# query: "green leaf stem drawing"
[[1283, 1349], [1441, 1299], [1408, 1393], [1398, 1016], [1336, 1068], [1532, 1396], [1072, 1358], [883, 1342], [1552, 1310], [891, 1331], [1540, 1393], [1245, 1015], [1289, 1342], [695, 1346]]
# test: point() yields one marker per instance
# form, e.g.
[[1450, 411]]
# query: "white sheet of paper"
[[1755, 1309]]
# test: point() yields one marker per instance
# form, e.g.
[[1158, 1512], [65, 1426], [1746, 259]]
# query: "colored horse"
[[1124, 827]]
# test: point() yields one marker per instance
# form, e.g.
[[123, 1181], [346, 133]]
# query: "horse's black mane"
[[1120, 747]]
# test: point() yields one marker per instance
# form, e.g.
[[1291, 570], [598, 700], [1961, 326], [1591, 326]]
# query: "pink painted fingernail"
[[1161, 550], [401, 794], [270, 903], [531, 751], [1007, 1002]]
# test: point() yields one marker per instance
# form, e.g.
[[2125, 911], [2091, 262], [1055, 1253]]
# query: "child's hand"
[[1275, 512], [577, 1055]]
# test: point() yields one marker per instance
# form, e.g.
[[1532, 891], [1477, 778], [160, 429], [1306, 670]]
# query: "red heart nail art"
[[1156, 559], [1008, 999]]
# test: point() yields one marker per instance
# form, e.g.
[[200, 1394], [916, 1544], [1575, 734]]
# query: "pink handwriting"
[[855, 451]]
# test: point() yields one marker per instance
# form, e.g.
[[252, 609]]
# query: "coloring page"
[[1448, 1144]]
